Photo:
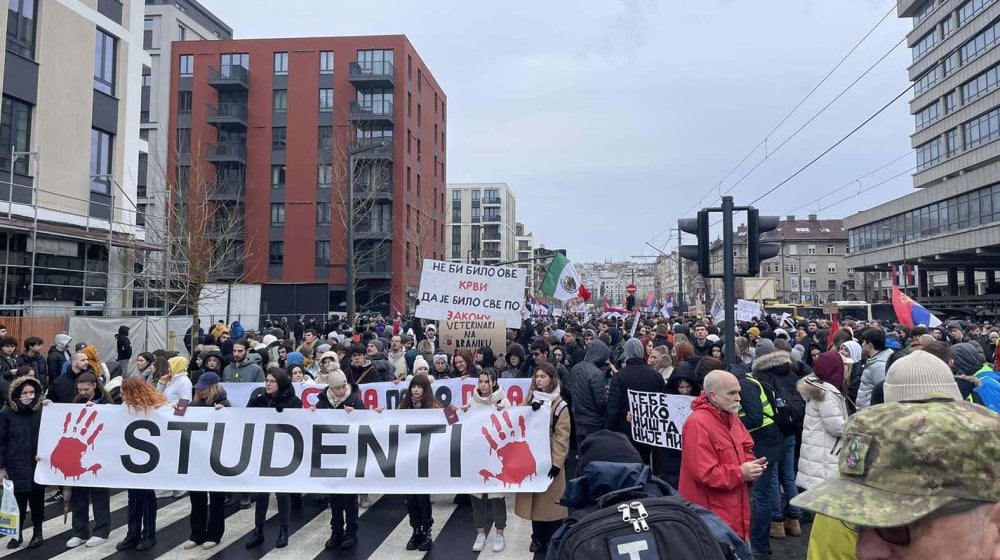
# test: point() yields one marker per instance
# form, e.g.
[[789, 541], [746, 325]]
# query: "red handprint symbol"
[[516, 460], [67, 457]]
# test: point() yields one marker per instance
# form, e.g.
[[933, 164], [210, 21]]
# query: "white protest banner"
[[746, 310], [388, 394], [307, 451], [472, 335], [658, 418], [468, 292], [718, 308]]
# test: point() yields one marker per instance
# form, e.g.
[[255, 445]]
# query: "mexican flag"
[[561, 282]]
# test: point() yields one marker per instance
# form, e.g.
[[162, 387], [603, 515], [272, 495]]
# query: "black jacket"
[[638, 376], [352, 400], [702, 349], [523, 370], [587, 384], [781, 376], [19, 426], [576, 352], [39, 363], [54, 363], [122, 344], [63, 389], [285, 398]]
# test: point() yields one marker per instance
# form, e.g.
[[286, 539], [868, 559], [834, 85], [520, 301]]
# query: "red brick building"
[[277, 125]]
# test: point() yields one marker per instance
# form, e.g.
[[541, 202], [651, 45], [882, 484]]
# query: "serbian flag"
[[833, 330], [583, 292], [911, 313], [650, 300], [609, 309]]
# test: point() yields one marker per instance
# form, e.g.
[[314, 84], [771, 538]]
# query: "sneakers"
[[209, 545], [499, 543], [189, 545], [94, 541], [480, 542], [74, 542], [57, 497]]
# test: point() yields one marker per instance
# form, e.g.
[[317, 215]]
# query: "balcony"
[[227, 152], [372, 148], [488, 219], [228, 116], [234, 231], [364, 188], [376, 74], [487, 254], [373, 112], [491, 201], [227, 190], [374, 271], [229, 78], [367, 231]]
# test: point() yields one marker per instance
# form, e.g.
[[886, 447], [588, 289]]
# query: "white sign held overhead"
[[747, 310], [468, 292]]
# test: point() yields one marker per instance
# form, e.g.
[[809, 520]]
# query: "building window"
[[925, 9], [326, 62], [15, 131], [830, 250], [968, 10], [184, 101], [147, 33], [927, 115], [186, 64], [377, 61], [793, 249], [420, 113], [323, 213], [925, 81], [324, 174], [924, 45], [227, 61], [104, 63], [456, 214], [980, 43], [929, 154], [831, 268], [277, 214], [947, 26], [101, 144], [183, 140], [278, 138], [276, 252], [326, 100], [140, 215], [277, 176], [280, 100], [980, 85], [322, 253], [325, 138], [980, 130], [950, 102], [280, 63], [951, 142], [21, 27], [812, 249], [182, 33], [147, 77]]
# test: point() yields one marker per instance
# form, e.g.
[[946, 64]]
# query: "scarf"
[[492, 399], [334, 401], [543, 397]]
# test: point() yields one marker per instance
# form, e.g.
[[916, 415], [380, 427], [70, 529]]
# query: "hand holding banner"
[[658, 418]]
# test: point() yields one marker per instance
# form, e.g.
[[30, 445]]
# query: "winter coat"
[[576, 353], [63, 389], [398, 362], [371, 372], [352, 400], [285, 398], [179, 387], [123, 346], [523, 370], [38, 363], [638, 376], [777, 371], [54, 363], [826, 414], [715, 445], [8, 365], [221, 398], [19, 426], [873, 374], [544, 506], [248, 371], [587, 384]]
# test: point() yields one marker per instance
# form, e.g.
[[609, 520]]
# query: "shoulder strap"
[[555, 415]]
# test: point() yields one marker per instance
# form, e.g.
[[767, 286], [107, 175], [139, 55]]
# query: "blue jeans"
[[785, 481], [760, 510]]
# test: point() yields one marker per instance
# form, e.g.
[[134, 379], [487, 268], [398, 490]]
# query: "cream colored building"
[[481, 220], [71, 101]]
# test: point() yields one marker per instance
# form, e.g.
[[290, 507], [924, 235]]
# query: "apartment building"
[[481, 223]]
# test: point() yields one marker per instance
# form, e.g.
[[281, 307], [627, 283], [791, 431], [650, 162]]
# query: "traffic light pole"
[[728, 280]]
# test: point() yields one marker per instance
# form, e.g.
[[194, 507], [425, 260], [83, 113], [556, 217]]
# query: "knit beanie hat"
[[440, 357], [921, 375], [763, 348], [753, 331], [420, 362], [178, 364], [295, 358], [968, 357], [337, 378], [829, 366]]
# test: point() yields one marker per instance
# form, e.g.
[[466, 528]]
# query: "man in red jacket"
[[718, 462]]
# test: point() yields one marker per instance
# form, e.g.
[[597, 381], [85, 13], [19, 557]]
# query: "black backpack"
[[627, 524], [789, 410]]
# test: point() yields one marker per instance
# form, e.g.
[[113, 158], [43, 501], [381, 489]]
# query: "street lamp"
[[351, 301]]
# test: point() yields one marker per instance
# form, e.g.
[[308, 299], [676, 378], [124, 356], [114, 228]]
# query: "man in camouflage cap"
[[919, 481]]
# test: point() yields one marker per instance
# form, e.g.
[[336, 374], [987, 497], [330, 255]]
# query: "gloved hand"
[[554, 472], [536, 405]]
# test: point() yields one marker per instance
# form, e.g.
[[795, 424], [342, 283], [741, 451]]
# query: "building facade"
[[949, 228], [69, 152], [811, 269], [279, 128], [610, 279], [525, 251], [481, 223]]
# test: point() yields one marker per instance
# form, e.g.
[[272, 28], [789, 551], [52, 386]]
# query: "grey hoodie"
[[248, 370]]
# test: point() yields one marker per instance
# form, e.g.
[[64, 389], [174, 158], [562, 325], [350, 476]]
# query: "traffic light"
[[630, 303], [756, 250], [700, 252]]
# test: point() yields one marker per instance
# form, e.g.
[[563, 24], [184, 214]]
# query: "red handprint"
[[67, 457], [516, 460]]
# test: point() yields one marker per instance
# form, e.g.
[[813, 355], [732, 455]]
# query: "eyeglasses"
[[536, 353], [901, 536]]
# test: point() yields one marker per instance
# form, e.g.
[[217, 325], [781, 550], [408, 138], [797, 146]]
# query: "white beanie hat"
[[420, 362], [921, 375]]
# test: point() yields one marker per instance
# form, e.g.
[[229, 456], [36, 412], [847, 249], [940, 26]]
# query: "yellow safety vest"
[[765, 403]]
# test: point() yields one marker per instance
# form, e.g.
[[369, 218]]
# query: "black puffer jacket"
[[780, 375], [285, 398], [587, 384], [638, 376], [19, 426], [352, 400]]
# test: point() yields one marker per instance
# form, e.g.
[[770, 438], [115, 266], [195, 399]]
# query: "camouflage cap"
[[903, 461]]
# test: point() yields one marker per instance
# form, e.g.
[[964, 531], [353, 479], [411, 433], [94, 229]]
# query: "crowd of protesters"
[[781, 404]]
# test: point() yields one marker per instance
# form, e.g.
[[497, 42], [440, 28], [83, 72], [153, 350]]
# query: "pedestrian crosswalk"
[[383, 531]]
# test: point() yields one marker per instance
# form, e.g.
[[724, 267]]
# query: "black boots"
[[36, 538], [282, 541], [130, 541], [146, 544], [14, 543], [427, 542], [256, 537], [336, 538], [416, 539], [350, 541]]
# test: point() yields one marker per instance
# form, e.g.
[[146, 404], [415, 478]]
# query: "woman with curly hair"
[[140, 398]]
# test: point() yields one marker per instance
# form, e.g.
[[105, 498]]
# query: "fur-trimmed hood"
[[813, 388], [13, 396], [773, 361]]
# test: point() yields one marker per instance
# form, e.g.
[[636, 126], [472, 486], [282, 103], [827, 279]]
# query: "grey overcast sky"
[[610, 119]]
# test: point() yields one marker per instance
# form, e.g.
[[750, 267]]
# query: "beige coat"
[[543, 506]]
